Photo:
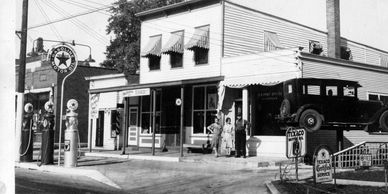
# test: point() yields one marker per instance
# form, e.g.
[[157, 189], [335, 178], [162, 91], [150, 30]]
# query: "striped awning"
[[266, 80], [200, 39], [153, 47], [174, 44]]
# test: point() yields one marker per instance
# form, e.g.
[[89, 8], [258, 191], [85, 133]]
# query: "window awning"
[[266, 80], [200, 39], [153, 47], [174, 44]]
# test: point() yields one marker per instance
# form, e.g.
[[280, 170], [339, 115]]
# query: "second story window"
[[315, 47], [199, 44], [153, 51], [174, 48], [384, 60], [271, 41], [346, 53]]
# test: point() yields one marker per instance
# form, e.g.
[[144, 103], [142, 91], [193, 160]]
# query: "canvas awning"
[[153, 47], [266, 80], [200, 39], [174, 44]]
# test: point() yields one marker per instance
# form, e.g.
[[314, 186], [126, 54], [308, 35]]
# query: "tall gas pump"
[[71, 134], [27, 146], [47, 146]]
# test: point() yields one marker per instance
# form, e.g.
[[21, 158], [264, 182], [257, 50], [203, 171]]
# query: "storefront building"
[[219, 64]]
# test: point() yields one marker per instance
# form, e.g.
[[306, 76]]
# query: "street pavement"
[[166, 172]]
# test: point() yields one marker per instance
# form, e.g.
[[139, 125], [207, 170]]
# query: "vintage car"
[[329, 103]]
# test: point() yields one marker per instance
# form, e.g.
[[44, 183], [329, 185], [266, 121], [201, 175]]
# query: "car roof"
[[328, 81]]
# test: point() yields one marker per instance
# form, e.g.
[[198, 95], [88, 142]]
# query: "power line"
[[47, 19], [69, 17]]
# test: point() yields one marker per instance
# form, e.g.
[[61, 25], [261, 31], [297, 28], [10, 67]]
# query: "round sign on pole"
[[63, 58]]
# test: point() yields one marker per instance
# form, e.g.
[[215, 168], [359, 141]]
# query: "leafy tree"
[[123, 53]]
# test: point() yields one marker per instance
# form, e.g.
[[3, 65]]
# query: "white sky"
[[363, 21]]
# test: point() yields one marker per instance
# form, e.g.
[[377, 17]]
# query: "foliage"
[[123, 53]]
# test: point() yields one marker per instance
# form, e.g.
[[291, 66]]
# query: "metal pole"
[[21, 79], [125, 125], [181, 128], [61, 114], [153, 120]]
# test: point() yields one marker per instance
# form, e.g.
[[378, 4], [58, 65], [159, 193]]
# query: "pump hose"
[[79, 147], [29, 141]]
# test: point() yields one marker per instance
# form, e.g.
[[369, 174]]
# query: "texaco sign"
[[63, 58]]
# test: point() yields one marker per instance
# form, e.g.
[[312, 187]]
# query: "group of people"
[[229, 135]]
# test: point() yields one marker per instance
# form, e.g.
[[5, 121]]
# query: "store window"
[[146, 113], [204, 107]]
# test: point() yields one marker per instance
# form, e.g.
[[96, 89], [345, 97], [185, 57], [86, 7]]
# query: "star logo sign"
[[62, 59]]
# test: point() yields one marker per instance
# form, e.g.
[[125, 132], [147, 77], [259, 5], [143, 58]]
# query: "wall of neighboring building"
[[244, 34], [187, 21]]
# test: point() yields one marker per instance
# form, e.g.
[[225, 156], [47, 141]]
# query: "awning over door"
[[200, 39], [174, 44], [153, 47], [271, 79]]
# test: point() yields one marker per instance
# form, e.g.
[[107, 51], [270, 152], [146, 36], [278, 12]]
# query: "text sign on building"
[[94, 98], [63, 58], [137, 92], [295, 142], [322, 165]]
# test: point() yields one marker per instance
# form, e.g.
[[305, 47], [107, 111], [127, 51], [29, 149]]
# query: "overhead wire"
[[102, 40], [84, 6], [48, 20]]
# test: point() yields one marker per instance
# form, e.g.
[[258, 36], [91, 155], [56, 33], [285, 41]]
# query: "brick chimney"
[[333, 28]]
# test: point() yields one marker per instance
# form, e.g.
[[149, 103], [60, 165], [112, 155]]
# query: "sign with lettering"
[[63, 58], [137, 92], [295, 142], [94, 98], [322, 165]]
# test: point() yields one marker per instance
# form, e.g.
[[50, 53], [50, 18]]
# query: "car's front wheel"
[[384, 121], [310, 120]]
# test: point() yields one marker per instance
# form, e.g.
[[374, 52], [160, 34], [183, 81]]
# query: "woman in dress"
[[227, 136]]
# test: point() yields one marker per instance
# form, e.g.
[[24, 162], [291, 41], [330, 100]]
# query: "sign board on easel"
[[295, 142]]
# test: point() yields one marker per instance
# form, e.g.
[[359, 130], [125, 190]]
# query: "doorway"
[[133, 126], [100, 129]]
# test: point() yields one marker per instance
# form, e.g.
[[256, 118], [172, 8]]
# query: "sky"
[[363, 21]]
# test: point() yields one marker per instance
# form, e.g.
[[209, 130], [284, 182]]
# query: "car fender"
[[307, 106]]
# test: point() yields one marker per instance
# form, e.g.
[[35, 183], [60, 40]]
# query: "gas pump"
[[71, 134], [27, 147], [47, 146]]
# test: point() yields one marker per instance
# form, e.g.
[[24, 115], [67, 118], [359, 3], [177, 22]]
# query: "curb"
[[271, 187], [361, 183], [93, 174], [135, 157]]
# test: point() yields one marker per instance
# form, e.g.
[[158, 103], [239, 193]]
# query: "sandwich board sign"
[[295, 142], [322, 164]]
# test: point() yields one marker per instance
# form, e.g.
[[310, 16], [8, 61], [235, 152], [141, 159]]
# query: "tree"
[[123, 53]]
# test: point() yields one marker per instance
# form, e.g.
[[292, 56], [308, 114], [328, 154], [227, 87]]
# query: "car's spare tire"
[[384, 121], [311, 120], [285, 108]]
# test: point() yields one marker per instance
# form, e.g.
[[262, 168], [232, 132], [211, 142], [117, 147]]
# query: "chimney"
[[333, 29]]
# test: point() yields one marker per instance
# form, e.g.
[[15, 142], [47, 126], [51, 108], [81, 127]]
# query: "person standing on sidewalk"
[[240, 135], [216, 130], [227, 136]]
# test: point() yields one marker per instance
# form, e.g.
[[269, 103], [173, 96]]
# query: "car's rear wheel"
[[384, 121], [310, 120]]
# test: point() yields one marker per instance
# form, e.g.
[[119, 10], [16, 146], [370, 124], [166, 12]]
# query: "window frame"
[[149, 112], [265, 47], [204, 109]]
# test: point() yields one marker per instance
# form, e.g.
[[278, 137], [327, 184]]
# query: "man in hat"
[[240, 136]]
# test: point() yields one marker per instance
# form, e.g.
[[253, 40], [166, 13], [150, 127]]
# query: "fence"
[[362, 154]]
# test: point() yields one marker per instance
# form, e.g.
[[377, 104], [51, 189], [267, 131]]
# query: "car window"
[[289, 88], [311, 89], [331, 91], [349, 91]]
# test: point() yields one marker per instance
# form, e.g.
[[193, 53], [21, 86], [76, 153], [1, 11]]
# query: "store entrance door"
[[133, 126], [100, 129]]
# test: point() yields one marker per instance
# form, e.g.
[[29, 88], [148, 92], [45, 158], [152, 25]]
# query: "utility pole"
[[21, 78]]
